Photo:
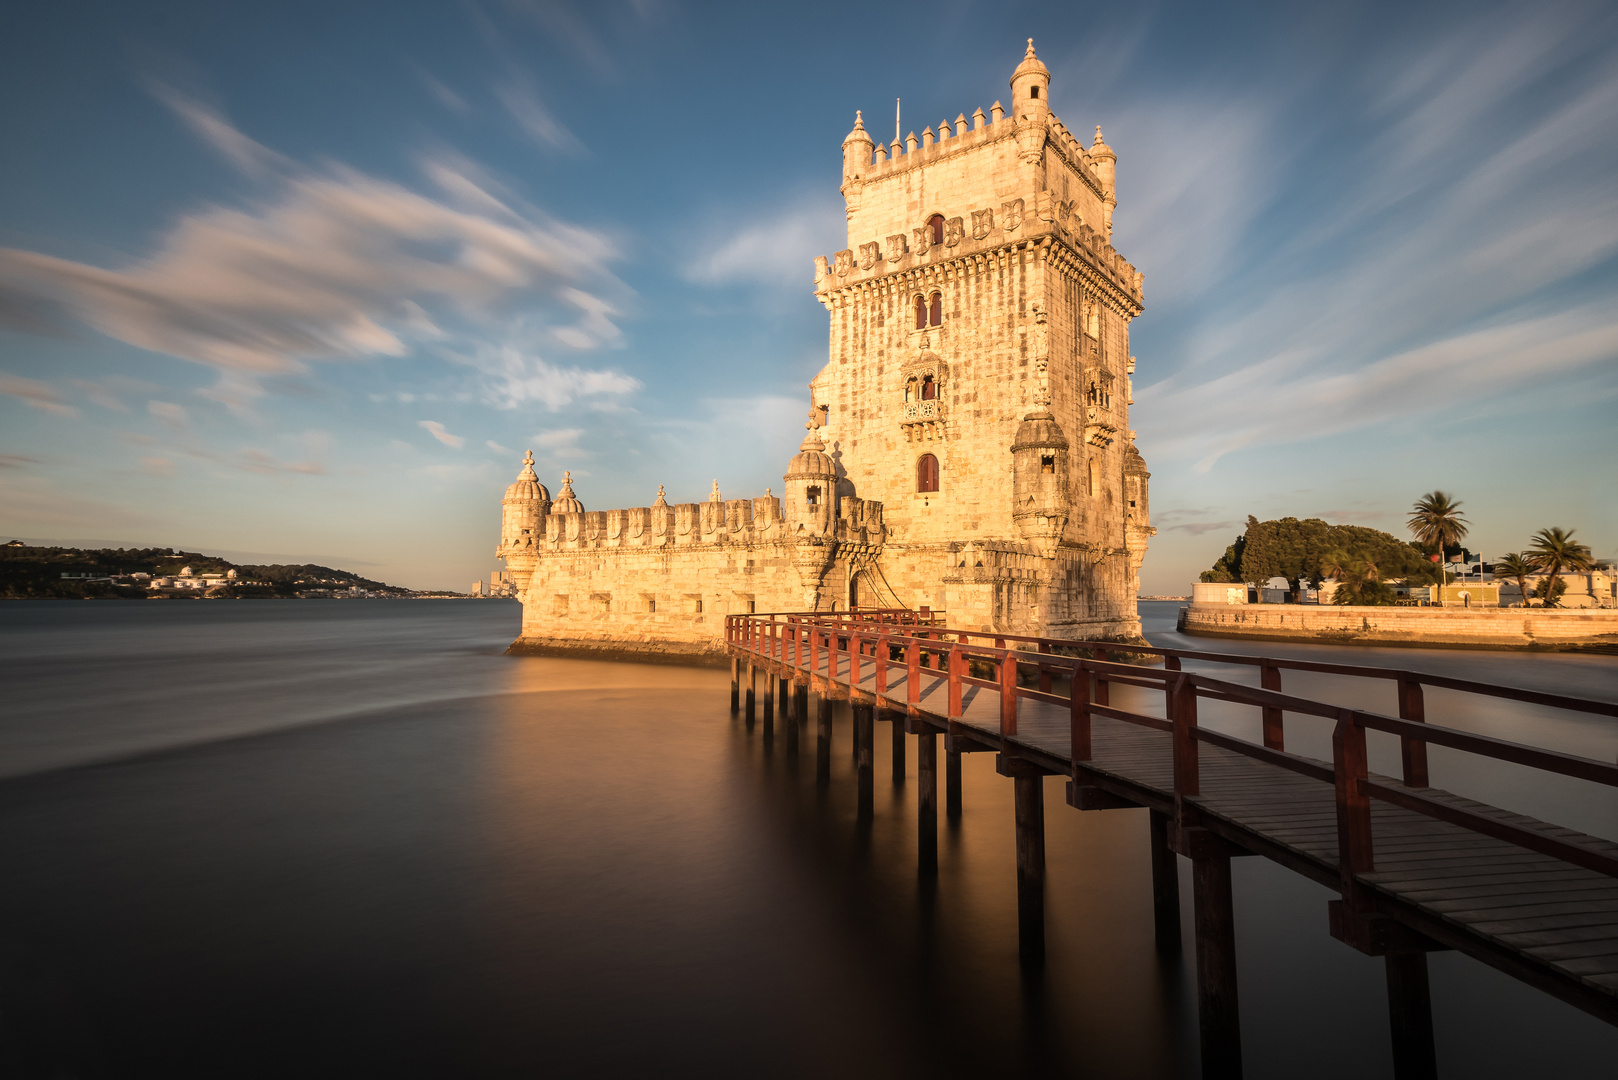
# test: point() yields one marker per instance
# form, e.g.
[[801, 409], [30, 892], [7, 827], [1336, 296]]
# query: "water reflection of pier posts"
[[864, 758], [898, 747], [752, 688], [769, 701], [823, 737], [735, 683], [800, 713]]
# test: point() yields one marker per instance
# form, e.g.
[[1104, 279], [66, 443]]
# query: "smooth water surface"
[[352, 838]]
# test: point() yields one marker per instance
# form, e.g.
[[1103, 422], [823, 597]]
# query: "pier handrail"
[[948, 653]]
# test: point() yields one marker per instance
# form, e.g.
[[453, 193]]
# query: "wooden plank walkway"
[[1533, 915]]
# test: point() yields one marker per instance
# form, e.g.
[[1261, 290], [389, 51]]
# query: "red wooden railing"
[[921, 642]]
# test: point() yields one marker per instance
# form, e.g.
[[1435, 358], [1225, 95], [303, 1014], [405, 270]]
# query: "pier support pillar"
[[1165, 885], [926, 800], [952, 784], [752, 687], [769, 700], [823, 740], [1219, 1020], [798, 716], [898, 748], [865, 759], [735, 683], [1410, 1016], [1028, 804]]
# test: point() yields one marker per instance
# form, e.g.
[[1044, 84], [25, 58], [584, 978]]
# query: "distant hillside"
[[37, 572]]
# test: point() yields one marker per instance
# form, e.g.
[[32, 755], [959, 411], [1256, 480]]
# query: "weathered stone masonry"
[[969, 445]]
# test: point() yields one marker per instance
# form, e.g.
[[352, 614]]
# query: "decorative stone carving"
[[922, 239], [870, 255], [982, 223], [844, 264], [822, 272], [954, 232], [1011, 215], [896, 247]]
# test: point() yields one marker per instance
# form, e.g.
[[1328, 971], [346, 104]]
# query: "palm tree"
[[1515, 566], [1436, 522], [1555, 550]]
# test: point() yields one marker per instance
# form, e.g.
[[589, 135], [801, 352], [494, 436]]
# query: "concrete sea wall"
[[1560, 630]]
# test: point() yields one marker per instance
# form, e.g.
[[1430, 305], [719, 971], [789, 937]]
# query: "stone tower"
[[978, 383]]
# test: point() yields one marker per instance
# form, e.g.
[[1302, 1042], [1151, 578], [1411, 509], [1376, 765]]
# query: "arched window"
[[910, 390], [1033, 91], [921, 313], [936, 224], [812, 496], [935, 310], [927, 473], [929, 389]]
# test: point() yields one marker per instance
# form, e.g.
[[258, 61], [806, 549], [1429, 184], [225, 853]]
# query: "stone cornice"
[[1073, 260]]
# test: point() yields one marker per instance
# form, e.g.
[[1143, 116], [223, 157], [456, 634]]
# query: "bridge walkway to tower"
[[1416, 868]]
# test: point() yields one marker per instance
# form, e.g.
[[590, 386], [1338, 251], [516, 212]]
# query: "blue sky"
[[301, 281]]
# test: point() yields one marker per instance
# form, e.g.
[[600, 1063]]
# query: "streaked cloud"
[[36, 395], [333, 266], [436, 430], [777, 245], [169, 414]]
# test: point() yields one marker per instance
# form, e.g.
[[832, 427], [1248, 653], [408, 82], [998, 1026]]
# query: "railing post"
[[1008, 693], [1355, 853], [1187, 775], [1101, 695], [1269, 677], [957, 666], [882, 650], [1079, 715], [1413, 707], [856, 654], [913, 673], [1170, 663], [1044, 672]]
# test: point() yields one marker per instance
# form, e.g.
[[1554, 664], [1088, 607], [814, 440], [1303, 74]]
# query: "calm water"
[[266, 839]]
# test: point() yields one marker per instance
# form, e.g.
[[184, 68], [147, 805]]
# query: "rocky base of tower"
[[633, 649]]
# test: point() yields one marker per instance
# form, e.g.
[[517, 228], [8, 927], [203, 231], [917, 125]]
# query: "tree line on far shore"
[[1362, 561]]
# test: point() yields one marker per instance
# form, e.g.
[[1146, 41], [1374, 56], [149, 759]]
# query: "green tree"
[[1549, 591], [1436, 522], [1555, 550], [1515, 566]]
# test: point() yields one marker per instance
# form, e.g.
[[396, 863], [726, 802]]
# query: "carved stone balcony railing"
[[921, 410]]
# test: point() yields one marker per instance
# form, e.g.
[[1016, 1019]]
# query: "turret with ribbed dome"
[[566, 502], [522, 520], [811, 484]]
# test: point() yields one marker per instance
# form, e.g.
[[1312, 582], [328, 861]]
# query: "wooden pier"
[[1416, 868]]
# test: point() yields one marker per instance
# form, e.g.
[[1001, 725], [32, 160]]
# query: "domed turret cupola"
[[811, 485], [522, 522], [1106, 165], [1030, 104], [566, 502], [1039, 455]]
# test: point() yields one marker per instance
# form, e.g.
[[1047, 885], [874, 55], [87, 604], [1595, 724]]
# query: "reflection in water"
[[415, 856]]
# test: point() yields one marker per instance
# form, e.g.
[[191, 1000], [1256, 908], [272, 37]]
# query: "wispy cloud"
[[169, 414], [1441, 271], [436, 430], [36, 395], [522, 101], [335, 266], [510, 377], [776, 246]]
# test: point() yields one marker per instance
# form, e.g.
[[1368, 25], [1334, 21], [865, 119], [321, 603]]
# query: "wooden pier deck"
[[1417, 868]]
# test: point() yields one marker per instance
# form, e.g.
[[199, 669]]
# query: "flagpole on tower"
[[896, 119]]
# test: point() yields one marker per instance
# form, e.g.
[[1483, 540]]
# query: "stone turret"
[[1040, 493], [856, 162], [811, 485], [522, 521], [1030, 104], [1106, 166], [566, 502]]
